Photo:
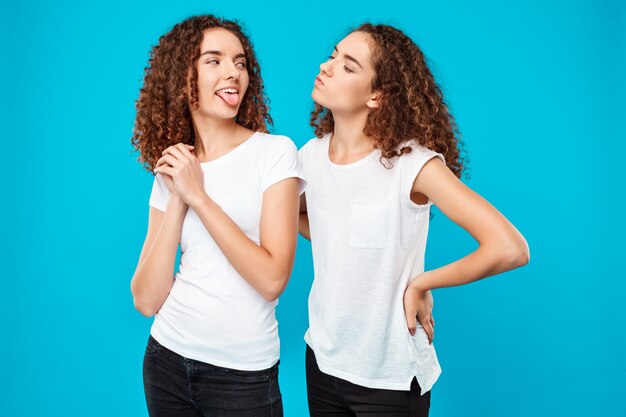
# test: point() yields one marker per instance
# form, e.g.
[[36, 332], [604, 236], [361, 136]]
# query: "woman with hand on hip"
[[385, 150], [228, 193]]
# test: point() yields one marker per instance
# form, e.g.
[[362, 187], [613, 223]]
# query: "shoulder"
[[419, 153], [269, 143], [314, 144]]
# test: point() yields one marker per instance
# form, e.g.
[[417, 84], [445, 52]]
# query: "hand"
[[182, 172], [169, 182], [418, 307]]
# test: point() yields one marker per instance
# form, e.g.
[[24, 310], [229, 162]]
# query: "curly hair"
[[411, 103], [164, 106]]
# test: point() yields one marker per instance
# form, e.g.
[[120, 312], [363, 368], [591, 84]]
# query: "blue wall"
[[537, 89]]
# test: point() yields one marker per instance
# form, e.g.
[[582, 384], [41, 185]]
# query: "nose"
[[326, 68], [231, 71]]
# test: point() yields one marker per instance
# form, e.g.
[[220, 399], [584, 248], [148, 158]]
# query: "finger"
[[432, 323], [169, 159], [411, 323], [183, 154], [165, 169], [184, 149], [188, 150], [430, 332], [160, 162], [176, 153], [421, 320]]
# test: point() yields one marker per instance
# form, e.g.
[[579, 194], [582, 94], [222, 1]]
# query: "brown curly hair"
[[411, 103], [164, 109]]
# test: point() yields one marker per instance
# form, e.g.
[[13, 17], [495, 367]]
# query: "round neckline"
[[228, 155], [348, 165]]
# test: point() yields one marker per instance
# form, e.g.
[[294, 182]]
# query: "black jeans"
[[331, 396], [179, 387]]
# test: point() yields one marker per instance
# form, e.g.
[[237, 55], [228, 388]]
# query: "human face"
[[344, 84], [222, 74]]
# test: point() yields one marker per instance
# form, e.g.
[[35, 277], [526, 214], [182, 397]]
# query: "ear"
[[374, 101]]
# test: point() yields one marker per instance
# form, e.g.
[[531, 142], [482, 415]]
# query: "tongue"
[[230, 98]]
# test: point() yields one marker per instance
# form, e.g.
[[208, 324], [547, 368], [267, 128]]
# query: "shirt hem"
[[398, 386], [206, 359]]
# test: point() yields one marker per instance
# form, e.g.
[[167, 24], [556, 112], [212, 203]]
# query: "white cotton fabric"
[[368, 240], [212, 314]]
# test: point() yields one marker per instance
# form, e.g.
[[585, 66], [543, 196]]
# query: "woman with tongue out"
[[386, 149], [228, 192]]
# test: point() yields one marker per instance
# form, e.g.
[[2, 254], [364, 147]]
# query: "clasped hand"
[[182, 173]]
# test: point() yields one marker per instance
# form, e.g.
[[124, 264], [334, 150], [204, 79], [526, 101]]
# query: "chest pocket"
[[368, 225]]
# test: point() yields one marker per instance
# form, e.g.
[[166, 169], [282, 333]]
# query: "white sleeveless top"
[[368, 240]]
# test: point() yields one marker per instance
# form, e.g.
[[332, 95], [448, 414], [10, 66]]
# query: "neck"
[[348, 137], [214, 135]]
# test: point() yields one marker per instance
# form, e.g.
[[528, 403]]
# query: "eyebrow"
[[350, 58], [219, 53]]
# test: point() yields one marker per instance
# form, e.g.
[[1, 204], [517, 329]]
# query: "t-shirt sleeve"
[[282, 163], [301, 167], [160, 194], [411, 165]]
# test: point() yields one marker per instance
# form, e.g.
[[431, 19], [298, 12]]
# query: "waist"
[[245, 350]]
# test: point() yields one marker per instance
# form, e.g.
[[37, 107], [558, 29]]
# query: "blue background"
[[538, 91]]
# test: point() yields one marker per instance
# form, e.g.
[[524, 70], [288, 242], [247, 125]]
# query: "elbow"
[[141, 304], [271, 294], [270, 297], [275, 288], [517, 254], [145, 308]]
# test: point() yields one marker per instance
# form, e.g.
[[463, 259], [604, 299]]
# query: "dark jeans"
[[331, 396], [179, 387]]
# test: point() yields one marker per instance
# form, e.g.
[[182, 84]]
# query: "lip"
[[234, 87], [318, 81]]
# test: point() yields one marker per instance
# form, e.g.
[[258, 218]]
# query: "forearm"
[[255, 264], [303, 226], [153, 276], [485, 261]]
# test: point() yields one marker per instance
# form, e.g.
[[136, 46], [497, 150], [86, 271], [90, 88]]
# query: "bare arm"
[[267, 266], [153, 276], [501, 246], [303, 224]]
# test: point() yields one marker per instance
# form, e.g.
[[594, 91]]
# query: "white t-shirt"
[[212, 314], [368, 240]]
